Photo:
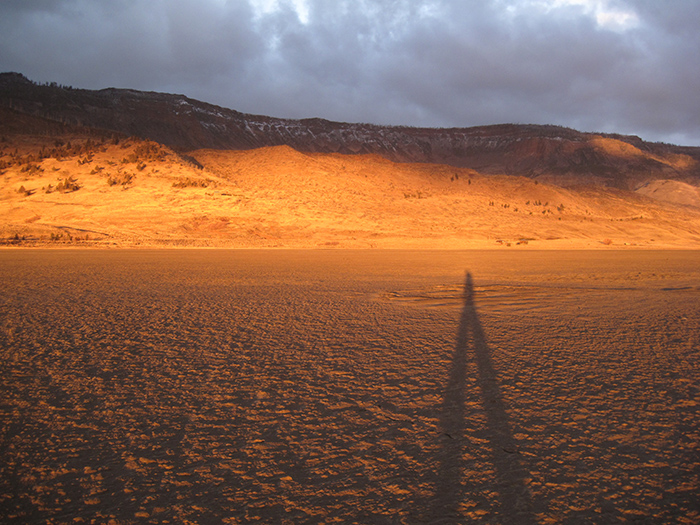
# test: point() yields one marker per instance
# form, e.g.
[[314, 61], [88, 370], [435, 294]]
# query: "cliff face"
[[553, 153]]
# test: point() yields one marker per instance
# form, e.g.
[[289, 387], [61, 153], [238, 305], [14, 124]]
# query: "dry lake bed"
[[217, 386]]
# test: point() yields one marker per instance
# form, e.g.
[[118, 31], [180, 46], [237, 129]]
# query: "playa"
[[308, 386]]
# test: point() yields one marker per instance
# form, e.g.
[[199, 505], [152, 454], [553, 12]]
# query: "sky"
[[619, 66]]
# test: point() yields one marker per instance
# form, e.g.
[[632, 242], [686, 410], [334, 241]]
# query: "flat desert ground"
[[283, 386]]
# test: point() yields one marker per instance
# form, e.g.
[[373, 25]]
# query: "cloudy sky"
[[627, 66]]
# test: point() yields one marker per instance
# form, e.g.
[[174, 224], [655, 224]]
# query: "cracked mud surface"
[[351, 387]]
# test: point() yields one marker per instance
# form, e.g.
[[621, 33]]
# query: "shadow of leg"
[[515, 505]]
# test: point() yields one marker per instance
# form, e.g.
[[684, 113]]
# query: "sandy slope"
[[278, 197], [672, 191]]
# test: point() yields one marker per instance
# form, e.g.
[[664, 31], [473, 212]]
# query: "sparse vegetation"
[[188, 182], [150, 151], [31, 169], [67, 237], [122, 178], [67, 185], [143, 153], [24, 191], [61, 150]]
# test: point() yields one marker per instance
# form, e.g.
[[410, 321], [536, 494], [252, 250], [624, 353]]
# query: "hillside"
[[81, 189], [547, 153]]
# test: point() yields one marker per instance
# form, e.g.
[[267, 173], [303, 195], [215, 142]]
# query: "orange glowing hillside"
[[111, 191], [202, 175]]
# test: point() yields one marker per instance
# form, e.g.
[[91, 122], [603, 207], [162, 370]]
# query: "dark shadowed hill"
[[555, 154]]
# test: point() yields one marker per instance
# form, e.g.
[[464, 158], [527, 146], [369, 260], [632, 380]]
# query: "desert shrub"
[[58, 152], [187, 182], [145, 152], [31, 169], [96, 170], [150, 151], [62, 150], [67, 185], [24, 191], [89, 147], [123, 179]]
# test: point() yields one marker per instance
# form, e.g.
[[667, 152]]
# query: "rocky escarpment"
[[553, 153]]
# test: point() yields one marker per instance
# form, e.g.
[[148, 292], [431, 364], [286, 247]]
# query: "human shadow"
[[514, 499]]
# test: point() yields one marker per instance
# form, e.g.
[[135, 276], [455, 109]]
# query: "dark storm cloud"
[[598, 65], [128, 43]]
